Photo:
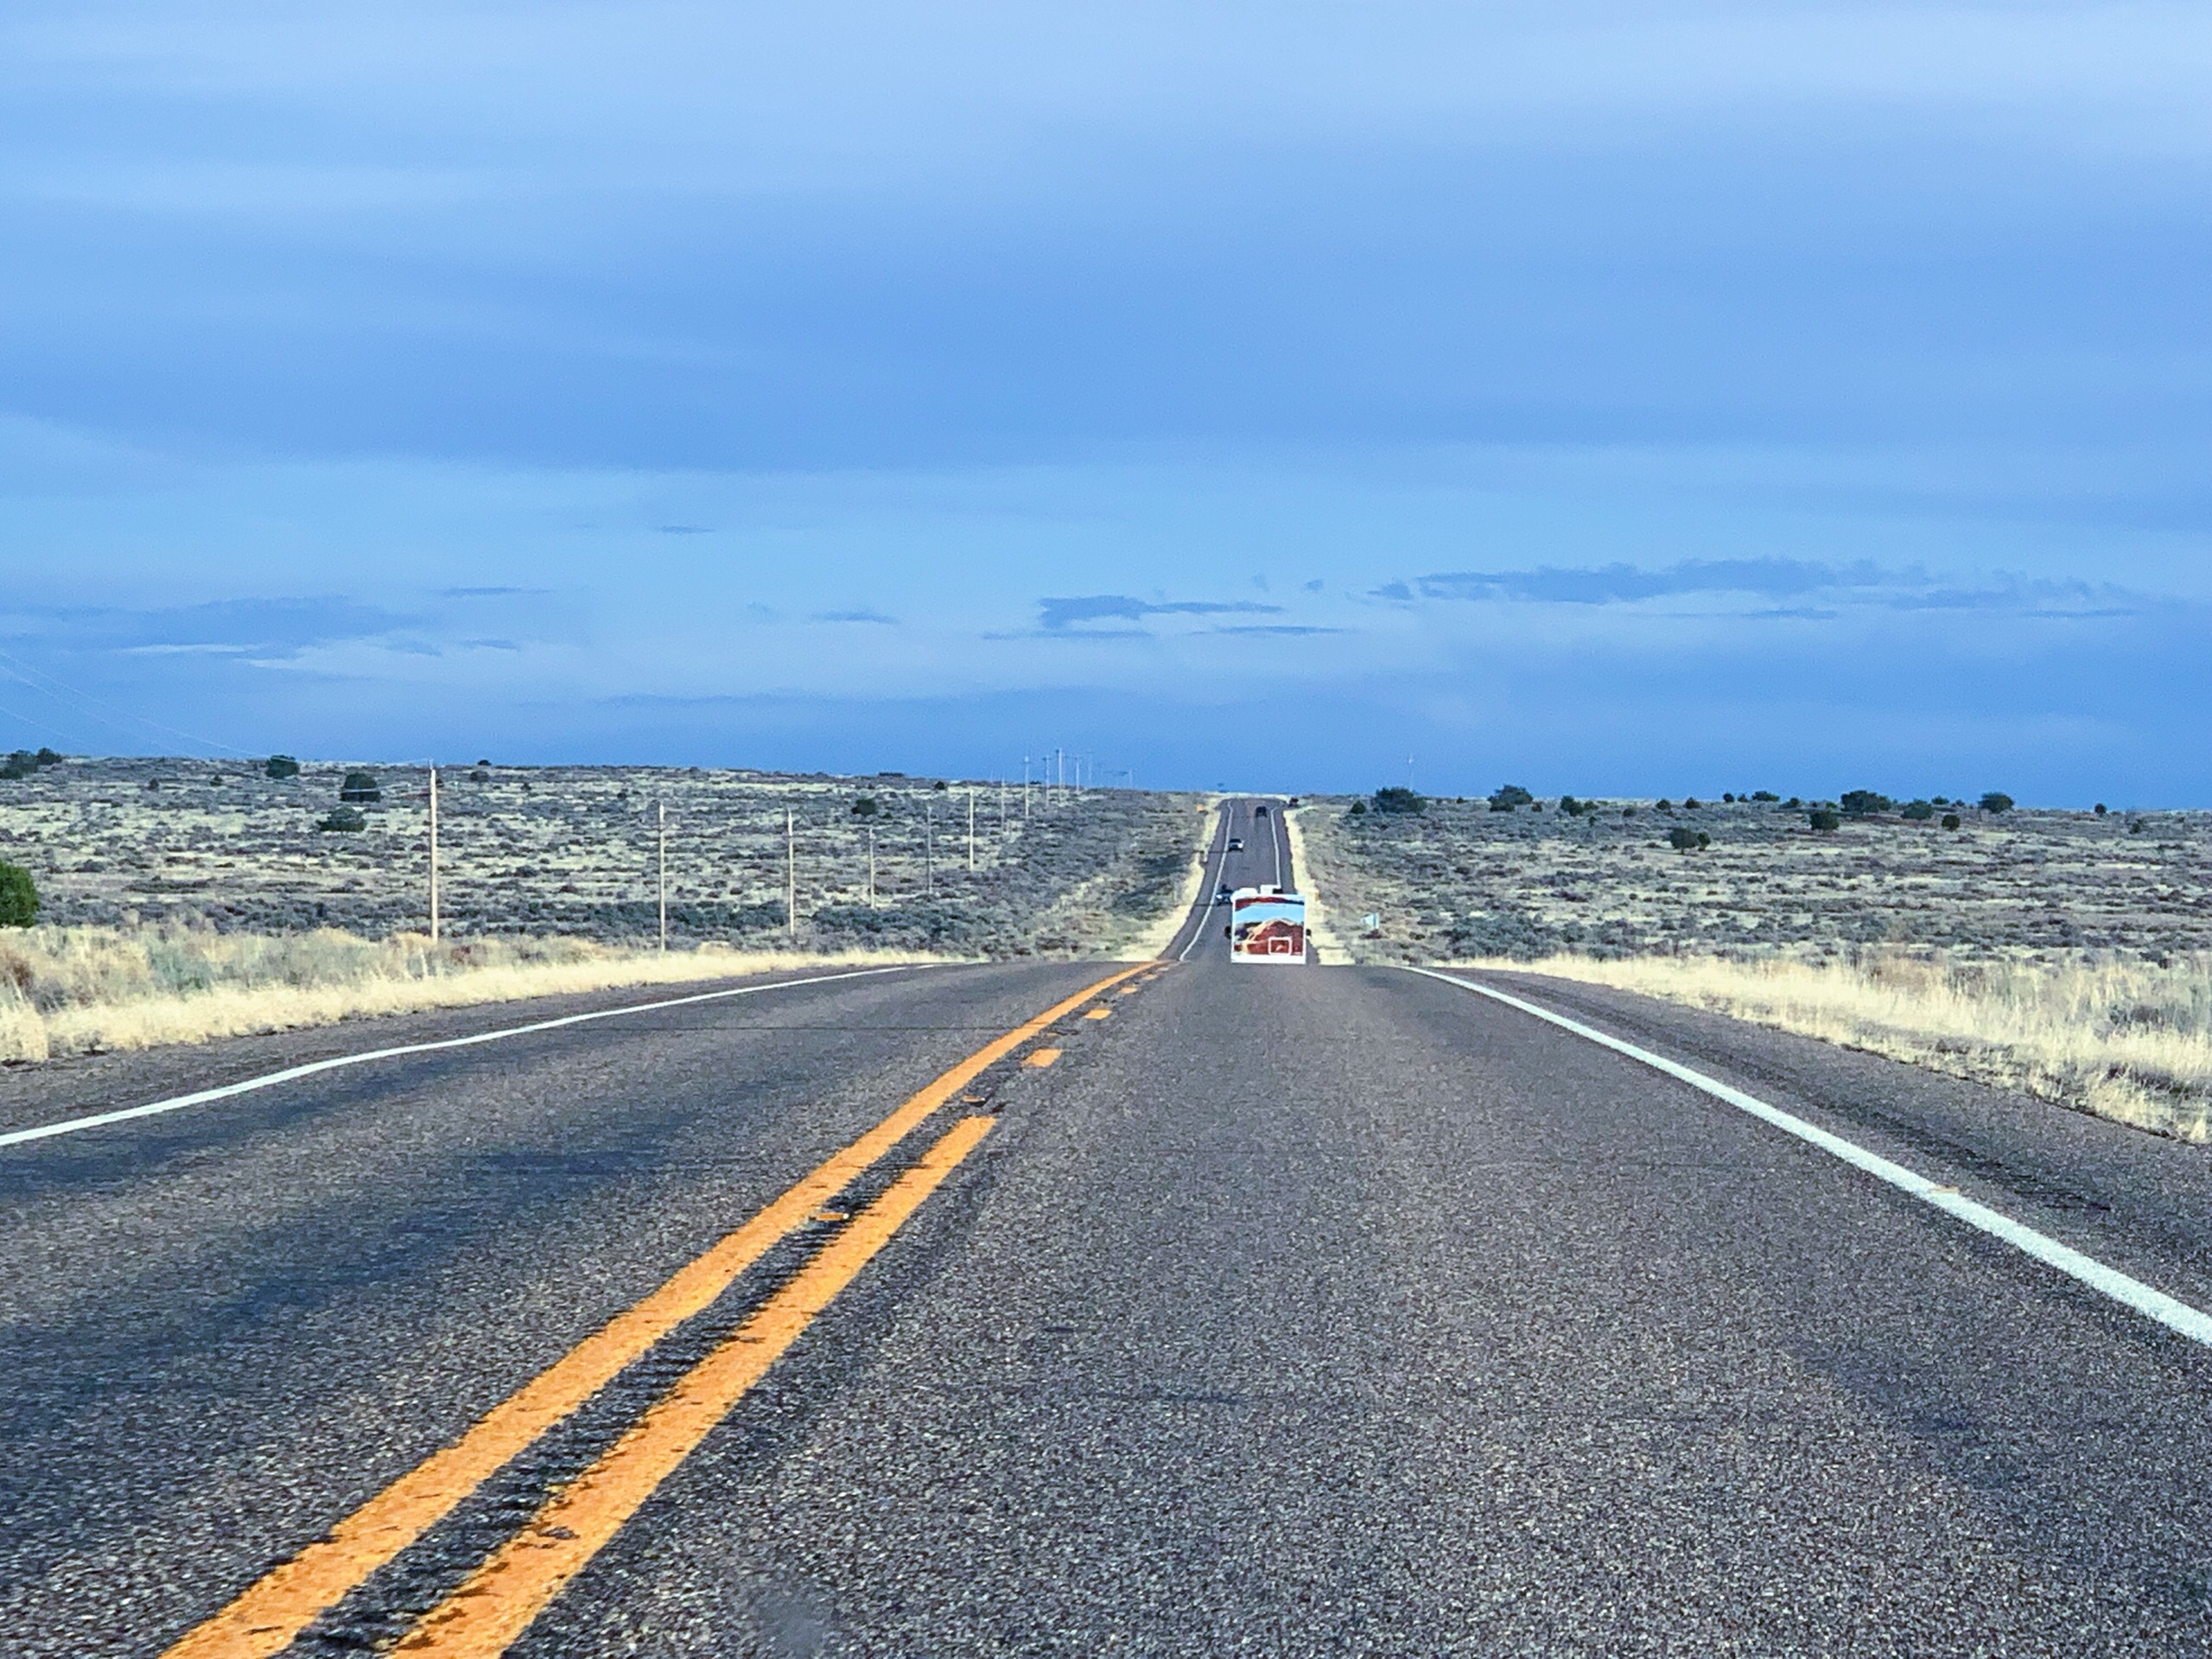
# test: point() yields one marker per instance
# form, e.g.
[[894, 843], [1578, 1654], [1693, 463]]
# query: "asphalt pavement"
[[1330, 1312]]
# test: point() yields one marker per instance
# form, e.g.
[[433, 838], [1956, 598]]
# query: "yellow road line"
[[264, 1620], [485, 1616], [1041, 1057]]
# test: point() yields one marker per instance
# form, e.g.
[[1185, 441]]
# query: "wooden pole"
[[971, 832], [871, 866], [433, 854], [791, 878], [929, 847], [661, 807]]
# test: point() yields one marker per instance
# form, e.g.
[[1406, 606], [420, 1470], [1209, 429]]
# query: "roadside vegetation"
[[80, 990], [148, 901], [2129, 1040], [282, 846], [1513, 875], [2063, 954]]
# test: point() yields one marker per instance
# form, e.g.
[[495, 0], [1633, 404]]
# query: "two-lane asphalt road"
[[1259, 857], [1087, 1308]]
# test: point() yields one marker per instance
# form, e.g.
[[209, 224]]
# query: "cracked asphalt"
[[1336, 1311]]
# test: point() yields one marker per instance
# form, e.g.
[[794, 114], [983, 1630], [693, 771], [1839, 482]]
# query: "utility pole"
[[971, 832], [871, 866], [433, 854], [929, 847], [661, 808], [791, 877]]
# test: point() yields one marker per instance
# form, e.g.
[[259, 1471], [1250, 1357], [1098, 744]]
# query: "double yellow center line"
[[508, 1590]]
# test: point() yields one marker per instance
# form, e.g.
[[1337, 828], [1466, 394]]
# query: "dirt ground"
[[1460, 880], [573, 851]]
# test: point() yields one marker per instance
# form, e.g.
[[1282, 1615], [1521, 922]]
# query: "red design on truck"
[[1267, 926]]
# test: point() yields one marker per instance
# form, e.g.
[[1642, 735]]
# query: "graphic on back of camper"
[[1268, 925]]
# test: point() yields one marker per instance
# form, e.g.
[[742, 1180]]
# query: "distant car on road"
[[1222, 895], [1259, 812], [1236, 844]]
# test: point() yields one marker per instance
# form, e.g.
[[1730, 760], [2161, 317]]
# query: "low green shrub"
[[1996, 801], [18, 897], [1918, 811], [360, 786], [1821, 818], [1398, 799], [281, 767], [21, 764], [342, 820], [1684, 840], [1950, 820], [867, 807], [1858, 803], [1506, 797]]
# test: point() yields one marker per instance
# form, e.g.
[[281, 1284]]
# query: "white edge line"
[[271, 1079], [1205, 894], [2176, 1315]]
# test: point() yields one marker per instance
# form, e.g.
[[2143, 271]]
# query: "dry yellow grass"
[[78, 990], [1320, 929], [1154, 941], [2127, 1040]]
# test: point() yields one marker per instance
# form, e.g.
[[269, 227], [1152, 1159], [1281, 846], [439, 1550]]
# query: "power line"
[[61, 691]]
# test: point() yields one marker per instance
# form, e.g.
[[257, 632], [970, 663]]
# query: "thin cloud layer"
[[1060, 615], [1863, 583]]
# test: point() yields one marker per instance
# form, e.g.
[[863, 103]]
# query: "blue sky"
[[1616, 398]]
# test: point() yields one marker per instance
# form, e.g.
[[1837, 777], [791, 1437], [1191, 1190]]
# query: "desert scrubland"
[[183, 900], [2065, 954]]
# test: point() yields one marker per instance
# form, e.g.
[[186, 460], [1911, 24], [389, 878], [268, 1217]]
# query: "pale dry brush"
[[74, 990], [2128, 1038]]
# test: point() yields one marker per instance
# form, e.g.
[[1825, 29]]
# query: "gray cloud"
[[260, 626], [851, 616], [1863, 582], [1056, 614], [1613, 584]]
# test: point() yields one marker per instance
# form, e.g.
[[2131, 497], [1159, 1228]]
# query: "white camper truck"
[[1266, 925]]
